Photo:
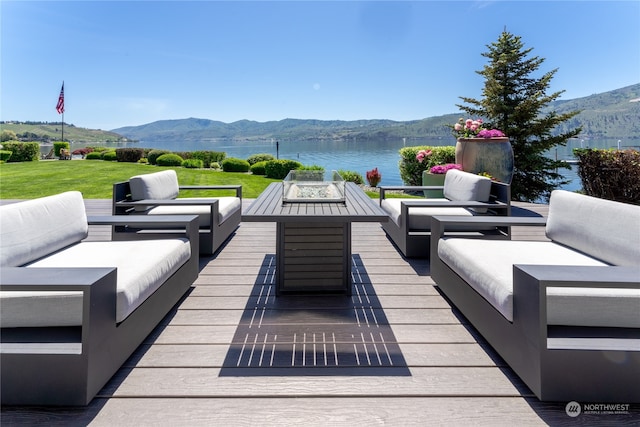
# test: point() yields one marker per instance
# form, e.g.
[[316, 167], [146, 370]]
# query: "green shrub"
[[144, 161], [129, 155], [351, 176], [22, 151], [154, 154], [100, 149], [5, 155], [610, 174], [311, 168], [411, 169], [262, 157], [94, 155], [233, 164], [109, 156], [59, 145], [208, 157], [258, 168], [215, 165], [192, 164], [278, 169], [169, 159]]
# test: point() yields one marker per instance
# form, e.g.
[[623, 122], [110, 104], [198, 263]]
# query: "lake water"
[[359, 156]]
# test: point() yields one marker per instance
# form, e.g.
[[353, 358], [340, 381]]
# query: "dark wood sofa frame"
[[211, 237], [584, 364], [68, 366], [416, 243]]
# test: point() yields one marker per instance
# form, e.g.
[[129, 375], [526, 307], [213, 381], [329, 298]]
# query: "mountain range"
[[612, 114]]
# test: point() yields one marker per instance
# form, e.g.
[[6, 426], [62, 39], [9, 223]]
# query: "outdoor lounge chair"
[[73, 311], [409, 225], [157, 194], [565, 313]]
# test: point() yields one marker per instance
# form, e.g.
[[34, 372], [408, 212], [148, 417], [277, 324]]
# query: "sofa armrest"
[[237, 188], [406, 204], [530, 284], [98, 286], [187, 222]]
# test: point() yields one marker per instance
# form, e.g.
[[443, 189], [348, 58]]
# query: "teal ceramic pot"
[[433, 179]]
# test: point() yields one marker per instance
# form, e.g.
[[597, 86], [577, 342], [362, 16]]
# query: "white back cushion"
[[32, 229], [159, 185], [603, 229], [465, 186]]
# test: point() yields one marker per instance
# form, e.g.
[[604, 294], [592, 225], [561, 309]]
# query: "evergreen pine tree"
[[516, 103]]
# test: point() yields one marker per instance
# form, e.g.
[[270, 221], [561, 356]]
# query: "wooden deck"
[[206, 364]]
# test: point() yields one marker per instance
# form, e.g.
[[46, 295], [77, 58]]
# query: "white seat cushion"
[[226, 207], [143, 266], [419, 218], [487, 266]]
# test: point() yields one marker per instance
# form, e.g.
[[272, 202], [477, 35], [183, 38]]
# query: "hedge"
[[278, 169], [233, 164], [192, 164], [610, 174], [169, 159], [22, 151], [262, 157], [153, 155], [258, 168], [5, 155], [129, 155], [411, 170]]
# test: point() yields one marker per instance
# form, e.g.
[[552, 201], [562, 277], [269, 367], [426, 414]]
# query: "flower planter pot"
[[433, 179], [491, 155]]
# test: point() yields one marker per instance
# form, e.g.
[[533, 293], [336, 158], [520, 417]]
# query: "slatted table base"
[[313, 257]]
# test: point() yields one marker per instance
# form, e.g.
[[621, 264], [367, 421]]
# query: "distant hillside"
[[49, 132], [612, 114]]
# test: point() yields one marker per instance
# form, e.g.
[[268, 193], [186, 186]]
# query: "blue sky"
[[127, 63]]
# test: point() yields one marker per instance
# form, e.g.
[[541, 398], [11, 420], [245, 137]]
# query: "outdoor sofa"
[[563, 313], [157, 194], [72, 311], [409, 225]]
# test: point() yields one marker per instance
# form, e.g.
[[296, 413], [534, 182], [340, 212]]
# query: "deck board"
[[174, 376]]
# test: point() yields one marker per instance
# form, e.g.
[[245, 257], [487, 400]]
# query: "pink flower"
[[490, 133], [422, 154], [440, 169]]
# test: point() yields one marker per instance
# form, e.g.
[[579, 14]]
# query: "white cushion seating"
[[585, 231], [419, 218], [47, 232], [458, 186], [226, 207]]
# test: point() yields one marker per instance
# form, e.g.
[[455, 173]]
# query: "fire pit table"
[[313, 242]]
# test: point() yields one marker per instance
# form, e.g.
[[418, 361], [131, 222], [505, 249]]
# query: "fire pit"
[[310, 186]]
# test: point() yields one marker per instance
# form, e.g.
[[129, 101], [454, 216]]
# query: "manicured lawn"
[[95, 178]]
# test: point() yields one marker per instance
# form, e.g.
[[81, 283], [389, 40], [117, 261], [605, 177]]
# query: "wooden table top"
[[358, 208]]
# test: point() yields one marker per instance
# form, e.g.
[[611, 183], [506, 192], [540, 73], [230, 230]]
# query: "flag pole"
[[60, 107]]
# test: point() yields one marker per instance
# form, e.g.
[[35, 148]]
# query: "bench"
[[72, 311], [157, 194], [564, 313], [409, 225]]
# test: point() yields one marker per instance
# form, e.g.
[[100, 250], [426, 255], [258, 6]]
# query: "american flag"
[[60, 106]]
